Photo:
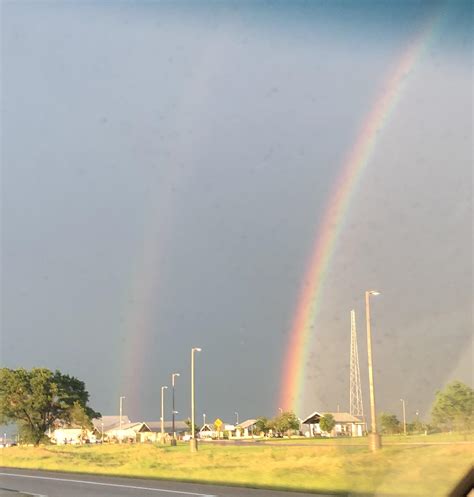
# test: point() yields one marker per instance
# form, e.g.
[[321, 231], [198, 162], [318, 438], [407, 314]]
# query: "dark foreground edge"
[[464, 487]]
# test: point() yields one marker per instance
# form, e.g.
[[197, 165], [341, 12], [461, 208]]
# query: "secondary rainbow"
[[333, 220]]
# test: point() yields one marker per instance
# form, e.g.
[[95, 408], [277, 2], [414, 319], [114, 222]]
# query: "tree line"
[[39, 400], [452, 410]]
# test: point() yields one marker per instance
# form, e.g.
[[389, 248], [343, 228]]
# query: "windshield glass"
[[284, 185]]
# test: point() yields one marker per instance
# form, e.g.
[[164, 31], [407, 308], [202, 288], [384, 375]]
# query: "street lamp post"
[[237, 417], [193, 440], [163, 413], [374, 438], [204, 418], [120, 417], [404, 417], [173, 440], [102, 430], [281, 410]]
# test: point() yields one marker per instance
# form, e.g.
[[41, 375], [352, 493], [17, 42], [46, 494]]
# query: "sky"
[[165, 166]]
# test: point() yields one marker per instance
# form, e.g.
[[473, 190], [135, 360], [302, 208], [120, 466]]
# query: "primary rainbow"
[[332, 222]]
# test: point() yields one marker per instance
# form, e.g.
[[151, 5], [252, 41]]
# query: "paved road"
[[51, 484]]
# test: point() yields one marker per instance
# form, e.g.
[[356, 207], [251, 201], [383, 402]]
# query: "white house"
[[207, 431], [245, 429], [346, 425], [154, 435], [73, 436], [130, 432]]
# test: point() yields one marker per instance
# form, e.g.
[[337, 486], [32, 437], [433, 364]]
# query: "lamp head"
[[197, 349], [374, 292]]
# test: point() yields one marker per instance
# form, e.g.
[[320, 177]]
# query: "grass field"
[[397, 470], [387, 439]]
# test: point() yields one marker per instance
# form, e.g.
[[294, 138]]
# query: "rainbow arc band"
[[330, 228]]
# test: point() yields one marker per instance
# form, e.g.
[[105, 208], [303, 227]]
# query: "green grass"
[[388, 439], [395, 470]]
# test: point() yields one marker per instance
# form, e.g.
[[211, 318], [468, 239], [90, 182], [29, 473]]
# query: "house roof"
[[246, 424], [312, 418], [155, 426], [109, 422], [207, 427], [343, 417], [136, 427], [339, 417]]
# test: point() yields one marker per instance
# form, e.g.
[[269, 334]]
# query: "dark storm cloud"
[[164, 171]]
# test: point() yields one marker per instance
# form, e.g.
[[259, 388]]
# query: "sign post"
[[218, 425]]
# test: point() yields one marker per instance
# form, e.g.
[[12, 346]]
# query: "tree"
[[78, 417], [389, 423], [38, 399], [263, 424], [327, 423], [189, 425], [453, 408], [286, 422]]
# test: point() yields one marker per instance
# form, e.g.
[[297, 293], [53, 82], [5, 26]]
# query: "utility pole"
[[356, 407], [404, 418], [374, 438], [193, 441], [120, 417], [163, 413], [173, 440]]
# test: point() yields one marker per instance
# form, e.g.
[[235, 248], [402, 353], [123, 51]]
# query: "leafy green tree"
[[327, 423], [79, 417], [38, 399], [389, 423], [453, 408], [286, 422], [263, 424]]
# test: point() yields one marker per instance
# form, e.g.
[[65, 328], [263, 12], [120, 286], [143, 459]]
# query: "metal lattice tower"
[[355, 393]]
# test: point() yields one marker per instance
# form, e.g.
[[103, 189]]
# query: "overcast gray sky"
[[164, 170]]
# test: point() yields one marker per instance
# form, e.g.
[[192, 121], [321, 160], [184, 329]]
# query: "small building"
[[245, 429], [346, 425], [72, 436], [228, 430], [207, 431], [127, 432], [154, 435]]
